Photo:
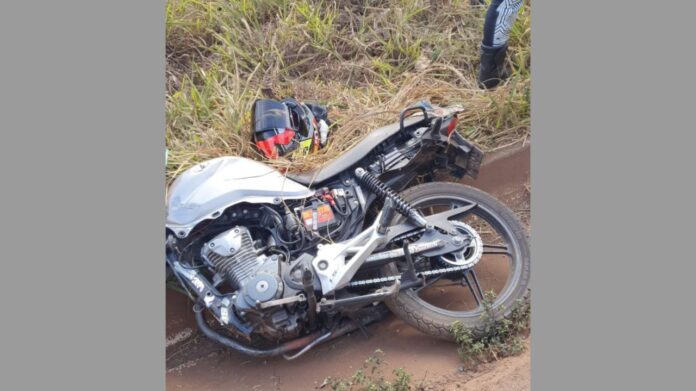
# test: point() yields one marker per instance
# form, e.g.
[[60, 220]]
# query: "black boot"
[[492, 70]]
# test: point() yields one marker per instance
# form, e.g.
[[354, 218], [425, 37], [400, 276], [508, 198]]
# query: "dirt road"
[[195, 363]]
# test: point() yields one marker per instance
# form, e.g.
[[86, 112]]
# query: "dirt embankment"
[[195, 363]]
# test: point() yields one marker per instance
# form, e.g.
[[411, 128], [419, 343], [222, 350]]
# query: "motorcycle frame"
[[451, 151]]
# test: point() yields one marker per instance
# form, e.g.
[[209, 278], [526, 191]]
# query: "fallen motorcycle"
[[278, 263]]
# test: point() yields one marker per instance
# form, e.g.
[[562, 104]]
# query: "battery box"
[[318, 216]]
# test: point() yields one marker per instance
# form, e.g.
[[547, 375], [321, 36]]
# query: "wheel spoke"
[[458, 211], [431, 282], [472, 282], [476, 282], [496, 249]]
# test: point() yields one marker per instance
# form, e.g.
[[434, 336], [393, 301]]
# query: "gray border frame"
[[82, 103], [612, 195]]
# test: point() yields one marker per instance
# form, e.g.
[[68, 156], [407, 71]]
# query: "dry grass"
[[366, 59]]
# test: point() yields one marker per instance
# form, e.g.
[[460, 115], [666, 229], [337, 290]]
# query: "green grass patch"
[[366, 59]]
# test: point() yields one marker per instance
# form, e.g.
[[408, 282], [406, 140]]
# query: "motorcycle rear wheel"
[[411, 304]]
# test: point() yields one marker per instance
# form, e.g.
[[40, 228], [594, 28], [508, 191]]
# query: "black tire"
[[435, 321]]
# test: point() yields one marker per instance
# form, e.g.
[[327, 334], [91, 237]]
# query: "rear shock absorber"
[[383, 191]]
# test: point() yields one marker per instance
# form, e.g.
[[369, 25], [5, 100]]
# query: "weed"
[[499, 337], [371, 378]]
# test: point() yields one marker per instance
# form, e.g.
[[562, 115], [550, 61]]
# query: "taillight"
[[452, 125]]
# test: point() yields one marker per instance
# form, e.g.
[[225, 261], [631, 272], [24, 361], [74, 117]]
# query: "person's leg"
[[500, 17]]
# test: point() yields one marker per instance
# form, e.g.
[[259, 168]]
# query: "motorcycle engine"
[[256, 279], [234, 256]]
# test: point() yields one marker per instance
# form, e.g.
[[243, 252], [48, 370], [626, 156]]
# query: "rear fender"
[[453, 152], [462, 157]]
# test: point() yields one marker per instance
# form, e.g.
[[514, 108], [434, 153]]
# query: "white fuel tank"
[[205, 190]]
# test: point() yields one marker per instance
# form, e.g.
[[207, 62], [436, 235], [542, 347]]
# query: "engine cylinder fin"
[[241, 262]]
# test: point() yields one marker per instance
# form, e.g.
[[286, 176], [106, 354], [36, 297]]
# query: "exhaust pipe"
[[249, 351], [303, 344]]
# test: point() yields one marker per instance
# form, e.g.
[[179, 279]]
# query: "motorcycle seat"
[[351, 156]]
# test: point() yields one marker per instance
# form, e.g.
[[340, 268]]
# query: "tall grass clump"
[[365, 59], [498, 338]]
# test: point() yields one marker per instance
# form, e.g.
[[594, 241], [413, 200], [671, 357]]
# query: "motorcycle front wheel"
[[502, 271]]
